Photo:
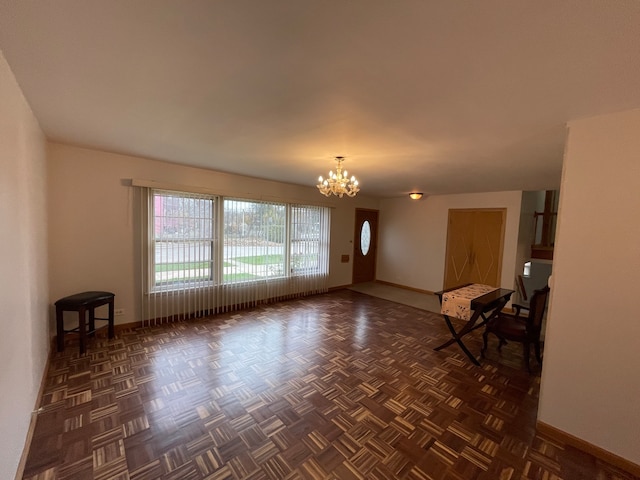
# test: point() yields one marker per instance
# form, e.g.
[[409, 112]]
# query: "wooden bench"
[[81, 303]]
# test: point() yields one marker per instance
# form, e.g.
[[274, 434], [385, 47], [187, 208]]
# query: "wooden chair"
[[525, 330], [522, 292]]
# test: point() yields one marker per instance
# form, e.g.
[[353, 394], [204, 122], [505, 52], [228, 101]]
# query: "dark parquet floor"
[[335, 386]]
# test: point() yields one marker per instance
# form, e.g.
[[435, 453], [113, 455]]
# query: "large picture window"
[[206, 253]]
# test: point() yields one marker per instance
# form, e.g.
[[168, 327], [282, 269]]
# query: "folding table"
[[483, 307]]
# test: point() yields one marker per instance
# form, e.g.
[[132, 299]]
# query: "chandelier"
[[338, 183]]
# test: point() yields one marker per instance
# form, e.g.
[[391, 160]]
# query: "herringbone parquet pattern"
[[336, 386]]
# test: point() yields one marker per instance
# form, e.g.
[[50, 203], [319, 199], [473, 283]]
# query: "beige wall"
[[590, 380], [91, 213], [413, 237], [23, 256]]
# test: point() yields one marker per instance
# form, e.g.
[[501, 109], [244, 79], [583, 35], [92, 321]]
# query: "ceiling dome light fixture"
[[338, 183], [415, 195]]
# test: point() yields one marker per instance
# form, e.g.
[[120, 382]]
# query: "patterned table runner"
[[457, 303]]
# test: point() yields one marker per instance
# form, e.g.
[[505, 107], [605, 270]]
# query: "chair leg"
[[526, 352], [536, 346], [485, 337]]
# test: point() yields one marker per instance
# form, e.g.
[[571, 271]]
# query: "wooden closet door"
[[486, 260], [459, 244], [474, 247]]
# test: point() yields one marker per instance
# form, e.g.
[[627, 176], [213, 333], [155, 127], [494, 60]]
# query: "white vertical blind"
[[203, 254], [309, 248], [180, 238]]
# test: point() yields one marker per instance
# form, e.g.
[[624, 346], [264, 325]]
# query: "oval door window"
[[365, 237]]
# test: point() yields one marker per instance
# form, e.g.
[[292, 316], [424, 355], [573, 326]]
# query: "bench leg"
[[60, 328], [82, 319], [111, 317], [92, 321]]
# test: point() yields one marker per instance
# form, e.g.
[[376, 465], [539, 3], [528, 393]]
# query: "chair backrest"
[[537, 305], [522, 292]]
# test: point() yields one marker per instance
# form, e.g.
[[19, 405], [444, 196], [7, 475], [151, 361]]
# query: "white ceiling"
[[436, 96]]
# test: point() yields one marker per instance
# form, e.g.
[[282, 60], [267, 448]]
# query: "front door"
[[365, 246]]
